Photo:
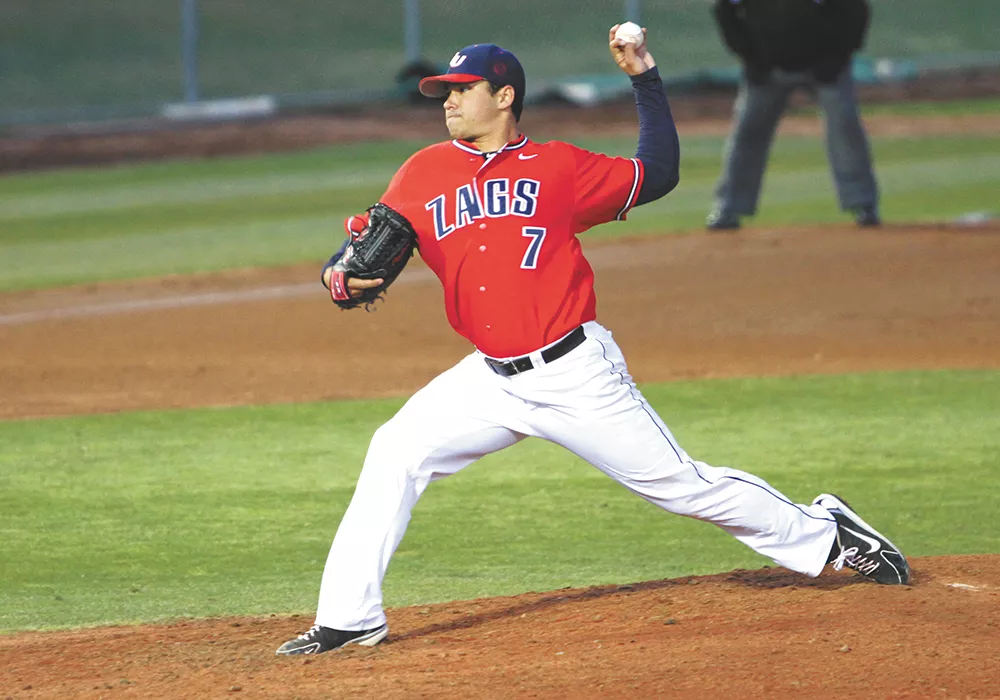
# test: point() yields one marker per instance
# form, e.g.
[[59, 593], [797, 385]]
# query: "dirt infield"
[[754, 303]]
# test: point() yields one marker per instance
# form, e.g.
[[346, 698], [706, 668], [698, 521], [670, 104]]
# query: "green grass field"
[[76, 226], [146, 516], [157, 515]]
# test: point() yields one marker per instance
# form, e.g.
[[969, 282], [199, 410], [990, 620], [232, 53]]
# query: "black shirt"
[[794, 35]]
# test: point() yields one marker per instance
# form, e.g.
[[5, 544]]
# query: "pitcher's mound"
[[745, 634]]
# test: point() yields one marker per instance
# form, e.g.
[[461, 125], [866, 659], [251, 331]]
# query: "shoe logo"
[[874, 543], [457, 60], [522, 156]]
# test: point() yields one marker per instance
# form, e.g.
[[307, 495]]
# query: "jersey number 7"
[[537, 235]]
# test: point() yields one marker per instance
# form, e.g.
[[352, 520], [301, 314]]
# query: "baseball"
[[630, 32]]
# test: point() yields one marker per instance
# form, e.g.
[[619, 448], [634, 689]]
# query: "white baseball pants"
[[585, 401]]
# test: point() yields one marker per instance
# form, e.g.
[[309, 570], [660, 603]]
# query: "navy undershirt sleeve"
[[659, 148]]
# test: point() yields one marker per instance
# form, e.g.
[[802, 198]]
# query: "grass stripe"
[[154, 515]]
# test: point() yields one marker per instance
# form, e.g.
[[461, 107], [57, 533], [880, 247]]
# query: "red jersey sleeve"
[[606, 187]]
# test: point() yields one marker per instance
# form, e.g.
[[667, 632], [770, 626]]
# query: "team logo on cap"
[[500, 69], [457, 60]]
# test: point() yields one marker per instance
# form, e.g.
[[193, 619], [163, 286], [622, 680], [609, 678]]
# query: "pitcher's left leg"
[[610, 424]]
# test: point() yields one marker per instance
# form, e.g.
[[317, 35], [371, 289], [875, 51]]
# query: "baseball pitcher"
[[496, 216]]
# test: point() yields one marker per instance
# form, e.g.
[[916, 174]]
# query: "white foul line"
[[175, 302], [183, 301]]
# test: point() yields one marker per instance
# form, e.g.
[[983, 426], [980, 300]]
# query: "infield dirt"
[[756, 303]]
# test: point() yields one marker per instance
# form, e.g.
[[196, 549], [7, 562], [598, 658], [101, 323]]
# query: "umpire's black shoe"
[[861, 547], [319, 639], [867, 217], [721, 220]]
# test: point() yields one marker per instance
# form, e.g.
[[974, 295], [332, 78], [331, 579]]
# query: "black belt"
[[508, 368]]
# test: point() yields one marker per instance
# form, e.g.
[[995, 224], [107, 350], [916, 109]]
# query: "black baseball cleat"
[[320, 639], [861, 547]]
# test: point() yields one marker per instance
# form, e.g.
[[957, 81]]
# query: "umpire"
[[785, 45]]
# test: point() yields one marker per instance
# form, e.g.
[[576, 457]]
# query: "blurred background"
[[68, 61]]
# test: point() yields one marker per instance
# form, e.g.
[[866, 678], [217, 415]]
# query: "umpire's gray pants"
[[756, 114]]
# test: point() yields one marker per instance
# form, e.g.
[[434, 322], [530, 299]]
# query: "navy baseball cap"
[[480, 62]]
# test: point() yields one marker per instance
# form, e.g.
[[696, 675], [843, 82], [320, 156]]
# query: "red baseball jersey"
[[499, 231]]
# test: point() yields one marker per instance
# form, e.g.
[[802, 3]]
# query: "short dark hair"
[[518, 99]]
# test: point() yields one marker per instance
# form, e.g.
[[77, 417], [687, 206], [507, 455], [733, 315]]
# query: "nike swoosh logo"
[[875, 544], [522, 156]]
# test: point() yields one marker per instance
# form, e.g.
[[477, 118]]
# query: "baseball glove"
[[380, 250]]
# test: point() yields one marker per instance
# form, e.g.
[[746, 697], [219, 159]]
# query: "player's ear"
[[505, 97]]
